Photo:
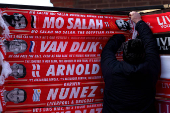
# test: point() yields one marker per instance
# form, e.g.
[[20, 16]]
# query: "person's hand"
[[135, 17], [1, 30]]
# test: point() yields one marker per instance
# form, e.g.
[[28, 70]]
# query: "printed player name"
[[51, 46], [74, 92], [71, 69], [72, 23]]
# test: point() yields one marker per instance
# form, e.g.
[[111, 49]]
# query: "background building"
[[106, 4]]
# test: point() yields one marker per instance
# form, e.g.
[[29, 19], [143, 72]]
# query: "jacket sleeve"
[[152, 58], [151, 50], [108, 57], [151, 65]]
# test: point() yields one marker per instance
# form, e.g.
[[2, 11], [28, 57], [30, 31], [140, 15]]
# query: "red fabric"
[[158, 22], [57, 94], [162, 105], [61, 23], [163, 88], [56, 70]]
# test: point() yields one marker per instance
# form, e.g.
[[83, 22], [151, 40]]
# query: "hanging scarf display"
[[55, 58]]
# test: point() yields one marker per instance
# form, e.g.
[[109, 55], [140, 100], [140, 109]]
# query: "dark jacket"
[[130, 88]]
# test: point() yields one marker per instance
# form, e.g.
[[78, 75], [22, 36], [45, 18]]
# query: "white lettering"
[[70, 22], [81, 24], [84, 24], [93, 46], [89, 47], [93, 90], [95, 69], [48, 23], [60, 69], [87, 69], [53, 46], [91, 24], [99, 24], [79, 69], [52, 94], [74, 47], [43, 48], [77, 24], [59, 22], [61, 96], [51, 71], [74, 92], [84, 91], [62, 47], [72, 69], [159, 21]]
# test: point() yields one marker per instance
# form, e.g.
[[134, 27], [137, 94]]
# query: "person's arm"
[[151, 49], [146, 35], [108, 58], [151, 64]]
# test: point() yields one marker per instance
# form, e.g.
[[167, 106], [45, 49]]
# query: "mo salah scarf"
[[58, 58]]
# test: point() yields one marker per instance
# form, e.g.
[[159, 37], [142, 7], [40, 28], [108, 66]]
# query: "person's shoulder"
[[140, 23]]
